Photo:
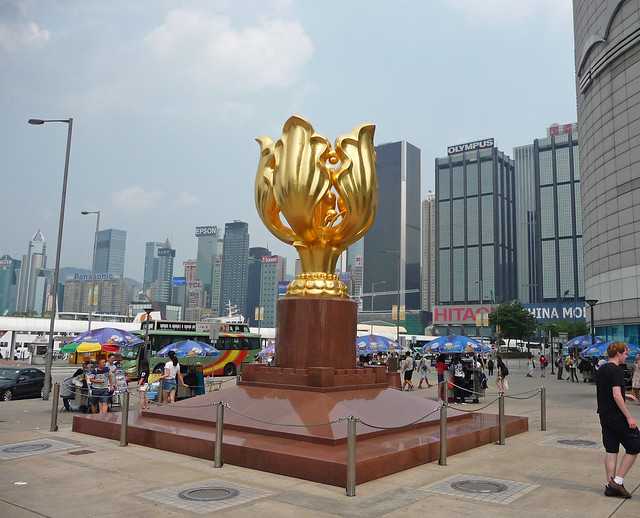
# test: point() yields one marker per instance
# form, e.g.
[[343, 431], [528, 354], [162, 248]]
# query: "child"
[[143, 386]]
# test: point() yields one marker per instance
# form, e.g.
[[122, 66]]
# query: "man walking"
[[560, 366], [618, 425]]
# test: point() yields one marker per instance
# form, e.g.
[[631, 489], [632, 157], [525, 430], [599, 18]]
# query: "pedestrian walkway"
[[537, 474]]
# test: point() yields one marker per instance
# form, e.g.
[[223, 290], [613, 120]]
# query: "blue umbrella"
[[375, 344], [582, 342], [600, 350], [454, 345], [189, 348], [108, 335]]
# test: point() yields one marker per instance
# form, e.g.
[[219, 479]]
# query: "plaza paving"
[[64, 474]]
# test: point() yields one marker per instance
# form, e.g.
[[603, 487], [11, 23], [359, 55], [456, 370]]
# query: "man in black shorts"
[[618, 425]]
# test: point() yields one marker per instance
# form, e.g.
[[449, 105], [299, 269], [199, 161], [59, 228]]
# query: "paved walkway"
[[534, 474]]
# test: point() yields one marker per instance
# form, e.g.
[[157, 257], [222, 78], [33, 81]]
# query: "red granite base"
[[316, 450]]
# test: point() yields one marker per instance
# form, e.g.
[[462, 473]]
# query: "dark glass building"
[[549, 218], [391, 248], [256, 253], [475, 225], [110, 251], [235, 267]]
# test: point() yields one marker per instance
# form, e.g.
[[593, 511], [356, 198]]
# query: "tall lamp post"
[[56, 272], [592, 303], [93, 260]]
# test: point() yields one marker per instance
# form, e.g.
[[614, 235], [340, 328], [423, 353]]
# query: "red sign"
[[445, 315]]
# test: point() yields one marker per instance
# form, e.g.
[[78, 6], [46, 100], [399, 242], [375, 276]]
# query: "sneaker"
[[609, 491], [619, 488]]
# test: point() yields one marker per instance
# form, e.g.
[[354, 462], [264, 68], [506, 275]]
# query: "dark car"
[[20, 383]]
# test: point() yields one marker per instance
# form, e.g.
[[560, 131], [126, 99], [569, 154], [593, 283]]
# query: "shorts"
[[169, 385], [100, 395], [440, 378], [616, 431], [408, 375]]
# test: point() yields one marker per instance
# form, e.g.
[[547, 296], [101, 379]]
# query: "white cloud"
[[208, 48], [136, 198], [185, 200], [557, 11], [14, 36]]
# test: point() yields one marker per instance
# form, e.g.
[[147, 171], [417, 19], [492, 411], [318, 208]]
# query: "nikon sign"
[[471, 146]]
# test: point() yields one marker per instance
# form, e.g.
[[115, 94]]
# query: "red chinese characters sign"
[[460, 315]]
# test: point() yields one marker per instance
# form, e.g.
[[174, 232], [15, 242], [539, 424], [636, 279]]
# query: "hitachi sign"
[[471, 146]]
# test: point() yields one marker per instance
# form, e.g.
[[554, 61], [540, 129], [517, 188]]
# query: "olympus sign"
[[207, 231], [471, 146]]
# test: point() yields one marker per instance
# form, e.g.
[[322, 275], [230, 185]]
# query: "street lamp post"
[[592, 303], [56, 272], [93, 260]]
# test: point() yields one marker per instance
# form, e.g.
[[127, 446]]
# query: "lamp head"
[[84, 212], [36, 122], [591, 302]]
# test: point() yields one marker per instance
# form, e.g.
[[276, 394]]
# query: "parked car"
[[20, 383]]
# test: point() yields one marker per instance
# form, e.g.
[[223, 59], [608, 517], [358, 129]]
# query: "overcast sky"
[[168, 96]]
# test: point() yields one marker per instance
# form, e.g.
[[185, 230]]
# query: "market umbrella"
[[189, 348], [454, 345], [600, 350], [108, 335], [95, 347], [369, 344], [582, 342]]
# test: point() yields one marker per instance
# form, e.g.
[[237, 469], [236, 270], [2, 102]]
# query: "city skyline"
[[133, 131]]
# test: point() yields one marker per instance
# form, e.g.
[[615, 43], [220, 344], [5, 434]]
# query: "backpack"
[[505, 370]]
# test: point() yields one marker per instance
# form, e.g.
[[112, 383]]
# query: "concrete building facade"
[[607, 64], [549, 218], [429, 252], [32, 262], [475, 225]]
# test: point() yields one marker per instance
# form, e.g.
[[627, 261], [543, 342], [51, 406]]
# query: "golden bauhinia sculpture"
[[318, 198]]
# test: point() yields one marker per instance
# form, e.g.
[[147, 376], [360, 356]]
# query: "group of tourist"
[[95, 383]]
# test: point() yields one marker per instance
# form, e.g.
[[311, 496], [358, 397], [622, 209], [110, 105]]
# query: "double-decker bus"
[[235, 342]]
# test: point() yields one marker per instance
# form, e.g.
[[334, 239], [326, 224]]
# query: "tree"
[[511, 320]]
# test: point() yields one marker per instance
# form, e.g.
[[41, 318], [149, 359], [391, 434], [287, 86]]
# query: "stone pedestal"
[[315, 349]]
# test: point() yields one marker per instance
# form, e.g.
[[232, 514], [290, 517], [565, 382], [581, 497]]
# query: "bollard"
[[352, 423], [442, 461], [124, 418], [217, 452], [239, 373], [501, 419], [54, 407], [543, 409]]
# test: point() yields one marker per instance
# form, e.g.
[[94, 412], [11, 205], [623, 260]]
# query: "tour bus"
[[235, 342]]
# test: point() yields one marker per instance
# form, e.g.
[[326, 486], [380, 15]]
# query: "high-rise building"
[[194, 294], [355, 267], [475, 225], [608, 81], [391, 248], [235, 267], [429, 252], [272, 272], [150, 264], [162, 288], [110, 251], [110, 296], [208, 237], [256, 253], [549, 218], [9, 275], [34, 261], [216, 281]]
